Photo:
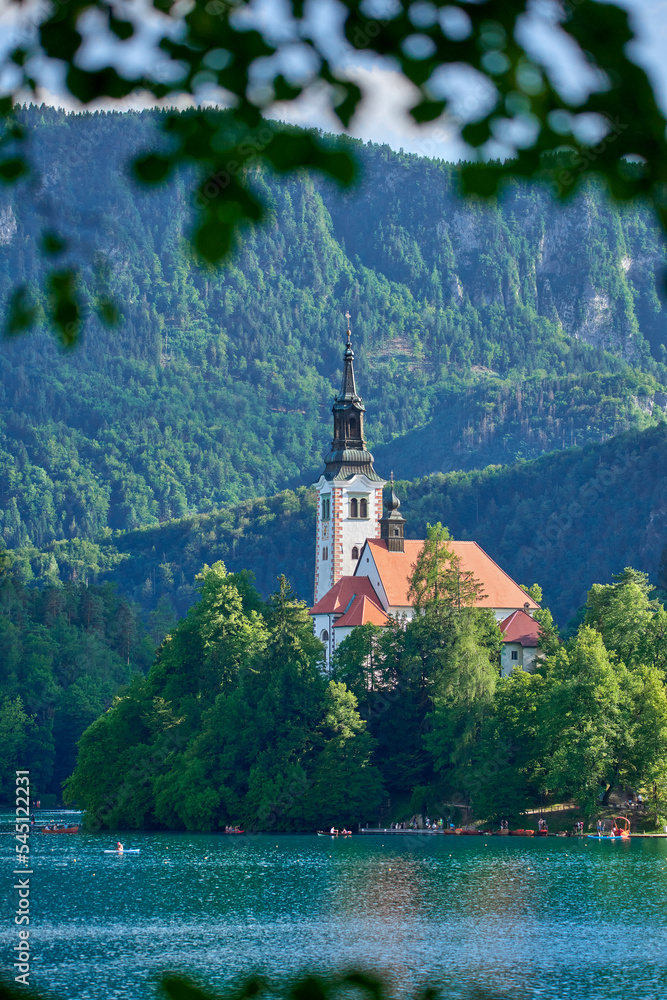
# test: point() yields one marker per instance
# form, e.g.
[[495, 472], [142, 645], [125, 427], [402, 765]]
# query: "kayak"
[[127, 850]]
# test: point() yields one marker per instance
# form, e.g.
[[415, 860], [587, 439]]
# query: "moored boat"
[[59, 829]]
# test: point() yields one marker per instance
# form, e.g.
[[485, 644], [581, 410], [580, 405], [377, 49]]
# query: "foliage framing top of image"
[[228, 46]]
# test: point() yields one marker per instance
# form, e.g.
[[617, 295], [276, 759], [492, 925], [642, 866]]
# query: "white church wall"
[[367, 567]]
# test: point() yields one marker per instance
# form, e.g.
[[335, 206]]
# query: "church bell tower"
[[392, 525], [349, 490]]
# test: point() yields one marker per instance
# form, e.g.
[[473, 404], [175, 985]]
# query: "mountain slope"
[[565, 521], [216, 386]]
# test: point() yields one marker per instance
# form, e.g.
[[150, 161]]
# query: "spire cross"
[[349, 332]]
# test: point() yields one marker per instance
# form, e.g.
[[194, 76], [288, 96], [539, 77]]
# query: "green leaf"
[[427, 111], [283, 90], [177, 988], [21, 312], [108, 312], [104, 82], [346, 108], [309, 988], [121, 29], [480, 179], [339, 165], [60, 40], [152, 168], [12, 168], [370, 984], [476, 133], [52, 243], [213, 240], [65, 307]]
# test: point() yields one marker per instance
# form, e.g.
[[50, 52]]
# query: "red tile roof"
[[363, 611], [395, 569], [338, 599], [521, 628]]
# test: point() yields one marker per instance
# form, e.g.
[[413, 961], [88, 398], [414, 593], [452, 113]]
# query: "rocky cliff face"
[[591, 267], [8, 226]]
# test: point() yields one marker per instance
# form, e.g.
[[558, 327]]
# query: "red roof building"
[[521, 641], [364, 563]]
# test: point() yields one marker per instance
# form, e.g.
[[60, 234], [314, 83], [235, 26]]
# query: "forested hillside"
[[482, 332], [64, 651], [564, 521]]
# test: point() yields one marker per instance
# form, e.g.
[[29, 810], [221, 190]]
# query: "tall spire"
[[348, 389], [348, 455]]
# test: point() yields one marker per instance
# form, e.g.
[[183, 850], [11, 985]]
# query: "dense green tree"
[[16, 731], [438, 578], [580, 719], [234, 724], [218, 638], [63, 657], [506, 767], [344, 786], [452, 378]]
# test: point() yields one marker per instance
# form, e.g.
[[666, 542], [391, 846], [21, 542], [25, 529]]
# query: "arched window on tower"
[[355, 553], [325, 553], [363, 508], [353, 426], [324, 635], [354, 507]]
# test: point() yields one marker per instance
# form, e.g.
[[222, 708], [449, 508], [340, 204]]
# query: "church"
[[364, 562]]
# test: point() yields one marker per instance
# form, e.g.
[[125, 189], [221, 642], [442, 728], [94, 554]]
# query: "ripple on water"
[[572, 919]]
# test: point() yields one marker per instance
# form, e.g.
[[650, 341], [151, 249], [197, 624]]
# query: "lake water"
[[561, 918]]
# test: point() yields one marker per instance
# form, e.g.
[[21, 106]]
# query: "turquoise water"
[[559, 918]]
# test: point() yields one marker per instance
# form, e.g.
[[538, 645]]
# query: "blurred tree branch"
[[614, 128]]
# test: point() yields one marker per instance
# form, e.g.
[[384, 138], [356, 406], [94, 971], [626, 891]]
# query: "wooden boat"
[[60, 829], [338, 833]]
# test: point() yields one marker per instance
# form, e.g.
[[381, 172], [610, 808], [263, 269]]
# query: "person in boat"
[[333, 831], [119, 847]]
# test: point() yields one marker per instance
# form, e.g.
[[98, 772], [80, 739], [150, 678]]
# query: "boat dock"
[[385, 832]]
